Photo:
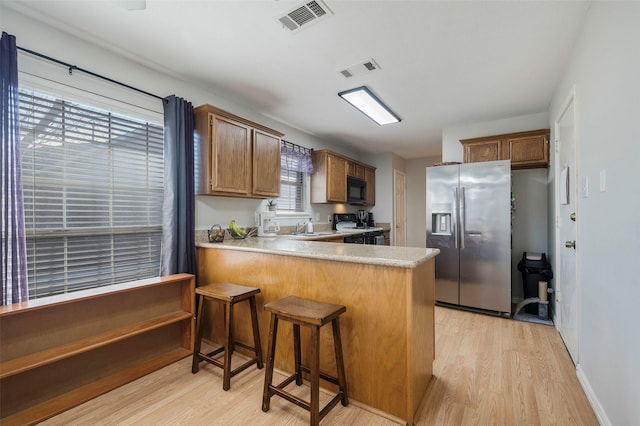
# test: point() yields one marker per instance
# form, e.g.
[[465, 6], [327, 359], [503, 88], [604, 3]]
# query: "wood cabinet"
[[356, 170], [234, 156], [370, 178], [387, 237], [61, 351], [329, 180], [526, 150]]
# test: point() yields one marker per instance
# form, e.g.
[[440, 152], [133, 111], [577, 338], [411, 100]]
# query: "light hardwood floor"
[[488, 371]]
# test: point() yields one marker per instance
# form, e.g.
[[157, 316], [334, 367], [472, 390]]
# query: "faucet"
[[301, 227]]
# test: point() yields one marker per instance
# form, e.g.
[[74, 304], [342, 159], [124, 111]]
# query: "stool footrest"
[[276, 390], [322, 375], [286, 381]]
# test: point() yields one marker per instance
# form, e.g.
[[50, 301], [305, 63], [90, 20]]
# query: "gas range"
[[349, 222]]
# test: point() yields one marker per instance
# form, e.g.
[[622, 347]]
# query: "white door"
[[567, 215], [400, 208]]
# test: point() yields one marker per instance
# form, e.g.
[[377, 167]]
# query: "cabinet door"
[[370, 178], [231, 162], [527, 152], [336, 179], [266, 164], [356, 170], [475, 152]]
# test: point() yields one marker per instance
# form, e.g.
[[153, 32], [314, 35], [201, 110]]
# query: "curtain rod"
[[73, 67]]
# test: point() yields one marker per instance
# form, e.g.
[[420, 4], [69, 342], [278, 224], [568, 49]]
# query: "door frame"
[[397, 174], [557, 315]]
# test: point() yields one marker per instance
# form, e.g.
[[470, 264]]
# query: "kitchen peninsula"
[[387, 330]]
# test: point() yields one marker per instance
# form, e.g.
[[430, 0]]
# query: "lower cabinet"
[[61, 351]]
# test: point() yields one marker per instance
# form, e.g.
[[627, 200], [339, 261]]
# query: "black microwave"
[[356, 191]]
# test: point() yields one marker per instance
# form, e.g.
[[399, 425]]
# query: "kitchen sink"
[[313, 234]]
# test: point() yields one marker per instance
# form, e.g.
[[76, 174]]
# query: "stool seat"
[[304, 310], [311, 314], [227, 294]]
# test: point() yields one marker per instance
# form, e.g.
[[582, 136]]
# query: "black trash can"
[[534, 268]]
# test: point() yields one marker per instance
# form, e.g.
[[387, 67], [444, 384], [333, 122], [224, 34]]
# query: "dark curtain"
[[14, 251], [178, 252]]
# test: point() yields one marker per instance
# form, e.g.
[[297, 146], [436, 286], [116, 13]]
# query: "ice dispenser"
[[441, 219]]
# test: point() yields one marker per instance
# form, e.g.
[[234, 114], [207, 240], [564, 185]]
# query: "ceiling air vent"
[[364, 67], [306, 13]]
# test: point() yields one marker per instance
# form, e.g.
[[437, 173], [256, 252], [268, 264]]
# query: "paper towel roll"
[[542, 291]]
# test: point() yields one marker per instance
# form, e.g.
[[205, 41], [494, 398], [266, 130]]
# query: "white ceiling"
[[442, 63]]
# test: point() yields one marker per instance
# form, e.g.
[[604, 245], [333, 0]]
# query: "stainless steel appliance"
[[469, 220], [351, 221], [356, 191]]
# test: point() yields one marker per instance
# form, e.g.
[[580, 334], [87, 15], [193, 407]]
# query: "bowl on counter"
[[249, 232], [216, 234]]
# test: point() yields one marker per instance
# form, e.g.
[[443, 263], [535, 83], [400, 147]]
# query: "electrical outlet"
[[328, 218], [317, 217]]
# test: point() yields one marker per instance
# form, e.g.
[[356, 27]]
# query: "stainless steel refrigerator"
[[469, 220]]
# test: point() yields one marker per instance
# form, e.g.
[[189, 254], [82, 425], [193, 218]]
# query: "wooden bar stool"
[[228, 295], [314, 315]]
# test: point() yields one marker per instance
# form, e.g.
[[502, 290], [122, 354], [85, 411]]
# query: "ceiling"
[[442, 63]]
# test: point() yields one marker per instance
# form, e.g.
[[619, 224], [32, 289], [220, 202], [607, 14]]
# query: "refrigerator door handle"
[[454, 219], [462, 218]]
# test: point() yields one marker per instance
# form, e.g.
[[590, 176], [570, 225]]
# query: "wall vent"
[[364, 67], [304, 14]]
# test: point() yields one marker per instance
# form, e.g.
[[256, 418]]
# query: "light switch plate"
[[584, 186]]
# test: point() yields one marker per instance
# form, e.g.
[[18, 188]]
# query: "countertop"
[[403, 257]]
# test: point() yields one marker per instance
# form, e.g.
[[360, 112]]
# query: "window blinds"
[[93, 189]]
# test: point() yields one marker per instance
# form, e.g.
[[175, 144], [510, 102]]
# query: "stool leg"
[[296, 354], [256, 331], [268, 375], [228, 342], [337, 344], [314, 366], [195, 364]]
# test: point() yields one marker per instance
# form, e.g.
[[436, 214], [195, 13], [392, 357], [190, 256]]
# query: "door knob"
[[572, 216], [570, 244]]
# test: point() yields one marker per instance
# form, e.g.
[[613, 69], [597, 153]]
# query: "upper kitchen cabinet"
[[370, 178], [235, 157], [526, 150], [356, 170], [329, 179]]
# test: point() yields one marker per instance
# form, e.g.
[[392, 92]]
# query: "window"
[[295, 166], [93, 190], [291, 191]]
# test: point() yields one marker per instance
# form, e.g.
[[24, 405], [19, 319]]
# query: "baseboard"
[[591, 396]]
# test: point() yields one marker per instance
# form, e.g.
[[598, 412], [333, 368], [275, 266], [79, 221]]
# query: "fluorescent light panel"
[[367, 103]]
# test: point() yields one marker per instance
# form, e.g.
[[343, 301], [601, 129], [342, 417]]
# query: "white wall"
[[416, 170], [44, 39], [605, 70], [452, 148]]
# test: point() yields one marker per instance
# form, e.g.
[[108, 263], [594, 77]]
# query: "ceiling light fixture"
[[367, 103]]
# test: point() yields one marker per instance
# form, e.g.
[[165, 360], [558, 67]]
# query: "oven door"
[[354, 239]]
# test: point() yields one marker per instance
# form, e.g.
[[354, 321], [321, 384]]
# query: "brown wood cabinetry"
[[356, 170], [61, 351], [526, 150], [370, 178], [235, 157], [329, 180]]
